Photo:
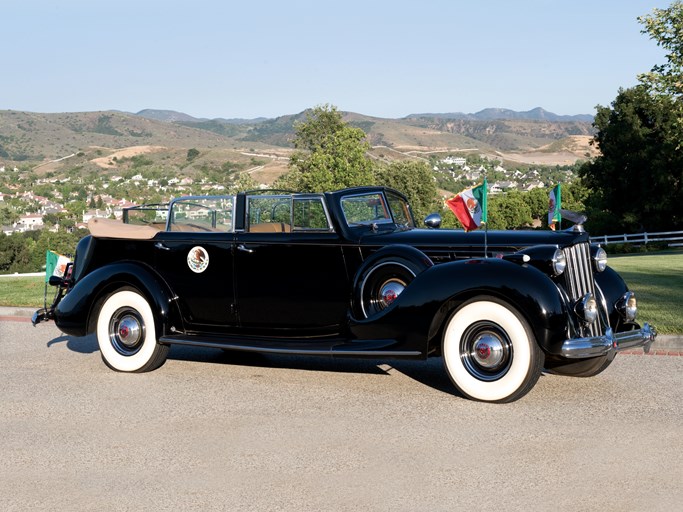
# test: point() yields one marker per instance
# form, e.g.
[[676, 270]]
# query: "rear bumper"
[[580, 348], [41, 315]]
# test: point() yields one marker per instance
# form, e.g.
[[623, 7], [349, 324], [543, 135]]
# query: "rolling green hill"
[[35, 138]]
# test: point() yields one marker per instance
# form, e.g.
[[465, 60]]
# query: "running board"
[[325, 347]]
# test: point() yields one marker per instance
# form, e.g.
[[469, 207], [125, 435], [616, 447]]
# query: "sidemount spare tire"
[[384, 276]]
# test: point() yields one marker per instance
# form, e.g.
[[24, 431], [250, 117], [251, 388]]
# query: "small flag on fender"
[[554, 205], [55, 264]]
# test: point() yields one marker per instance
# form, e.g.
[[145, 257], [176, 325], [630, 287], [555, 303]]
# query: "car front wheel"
[[490, 352], [126, 334]]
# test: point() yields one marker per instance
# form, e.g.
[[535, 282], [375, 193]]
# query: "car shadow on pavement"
[[260, 360], [430, 373], [82, 345]]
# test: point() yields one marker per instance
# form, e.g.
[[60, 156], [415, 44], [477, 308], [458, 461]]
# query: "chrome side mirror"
[[433, 221]]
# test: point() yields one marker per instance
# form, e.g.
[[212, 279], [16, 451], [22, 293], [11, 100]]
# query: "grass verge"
[[23, 291], [657, 280]]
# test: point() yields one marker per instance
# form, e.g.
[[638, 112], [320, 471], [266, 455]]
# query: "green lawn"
[[657, 280], [23, 291]]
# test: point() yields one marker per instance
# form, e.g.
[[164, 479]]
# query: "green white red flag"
[[470, 207], [554, 205], [55, 264]]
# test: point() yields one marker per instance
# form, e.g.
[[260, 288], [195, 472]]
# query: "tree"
[[416, 181], [192, 153], [638, 178], [330, 154], [508, 211], [665, 26]]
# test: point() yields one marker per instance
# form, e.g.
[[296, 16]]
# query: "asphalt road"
[[217, 431]]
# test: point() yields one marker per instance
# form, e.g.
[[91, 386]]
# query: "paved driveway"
[[217, 431]]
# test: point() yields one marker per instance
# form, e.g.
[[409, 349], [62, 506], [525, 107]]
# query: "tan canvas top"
[[108, 228]]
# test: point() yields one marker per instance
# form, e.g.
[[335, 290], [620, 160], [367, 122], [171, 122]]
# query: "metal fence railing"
[[675, 238]]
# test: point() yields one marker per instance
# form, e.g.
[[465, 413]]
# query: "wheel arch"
[[526, 289], [77, 313]]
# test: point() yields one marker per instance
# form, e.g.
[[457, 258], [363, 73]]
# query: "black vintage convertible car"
[[346, 273]]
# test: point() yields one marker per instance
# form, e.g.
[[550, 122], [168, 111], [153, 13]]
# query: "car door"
[[289, 267], [195, 257]]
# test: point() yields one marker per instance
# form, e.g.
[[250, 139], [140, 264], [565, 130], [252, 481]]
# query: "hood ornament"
[[577, 218]]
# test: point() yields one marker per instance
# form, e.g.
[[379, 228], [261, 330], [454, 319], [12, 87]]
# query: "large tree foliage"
[[330, 154], [416, 181], [665, 26], [637, 179]]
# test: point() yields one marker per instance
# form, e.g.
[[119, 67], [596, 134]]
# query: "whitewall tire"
[[126, 333], [490, 352]]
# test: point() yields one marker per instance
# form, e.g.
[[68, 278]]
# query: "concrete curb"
[[665, 344]]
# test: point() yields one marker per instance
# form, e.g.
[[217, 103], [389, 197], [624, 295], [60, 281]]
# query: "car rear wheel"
[[126, 334], [490, 352]]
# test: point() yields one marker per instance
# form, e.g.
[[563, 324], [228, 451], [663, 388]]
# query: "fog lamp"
[[627, 306], [587, 308]]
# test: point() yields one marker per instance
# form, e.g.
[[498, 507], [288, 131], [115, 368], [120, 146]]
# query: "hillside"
[[45, 140]]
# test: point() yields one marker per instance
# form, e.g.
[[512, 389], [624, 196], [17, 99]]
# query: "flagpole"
[[486, 223]]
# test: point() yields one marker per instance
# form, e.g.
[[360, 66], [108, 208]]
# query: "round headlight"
[[559, 262], [600, 259]]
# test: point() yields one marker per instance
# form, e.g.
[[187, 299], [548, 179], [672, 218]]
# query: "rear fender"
[[76, 314]]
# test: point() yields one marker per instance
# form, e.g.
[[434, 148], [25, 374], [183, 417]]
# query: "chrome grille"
[[579, 278]]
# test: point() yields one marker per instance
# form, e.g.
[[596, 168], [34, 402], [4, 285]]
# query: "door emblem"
[[198, 259]]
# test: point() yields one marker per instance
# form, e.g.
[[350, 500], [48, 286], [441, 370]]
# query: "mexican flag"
[[469, 206], [55, 264], [554, 202]]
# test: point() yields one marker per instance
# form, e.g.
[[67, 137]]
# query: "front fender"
[[76, 313], [612, 287], [417, 317]]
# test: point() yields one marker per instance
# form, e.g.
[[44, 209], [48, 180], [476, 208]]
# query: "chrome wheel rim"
[[486, 351], [126, 331]]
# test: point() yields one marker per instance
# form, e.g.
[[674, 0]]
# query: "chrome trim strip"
[[579, 348]]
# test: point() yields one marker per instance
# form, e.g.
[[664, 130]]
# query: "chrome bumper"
[[41, 315], [579, 348]]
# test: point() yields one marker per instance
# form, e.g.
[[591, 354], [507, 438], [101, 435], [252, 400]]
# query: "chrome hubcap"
[[126, 331], [486, 351], [129, 331], [390, 292]]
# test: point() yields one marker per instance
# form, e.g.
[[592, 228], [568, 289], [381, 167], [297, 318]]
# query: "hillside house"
[[30, 222], [457, 161]]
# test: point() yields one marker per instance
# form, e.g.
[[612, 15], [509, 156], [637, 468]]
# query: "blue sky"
[[224, 58]]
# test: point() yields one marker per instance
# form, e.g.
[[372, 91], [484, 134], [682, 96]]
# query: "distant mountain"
[[168, 116], [171, 116], [495, 114], [36, 137]]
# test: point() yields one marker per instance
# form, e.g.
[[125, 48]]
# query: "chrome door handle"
[[159, 245], [242, 248]]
